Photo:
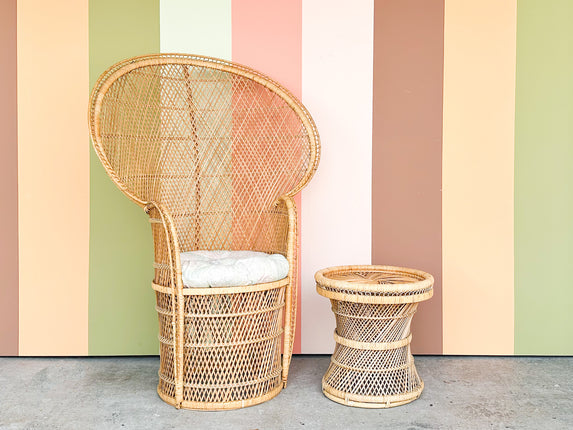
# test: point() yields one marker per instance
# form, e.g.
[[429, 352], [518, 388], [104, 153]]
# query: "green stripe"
[[544, 178], [122, 319]]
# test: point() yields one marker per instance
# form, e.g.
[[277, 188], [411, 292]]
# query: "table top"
[[374, 284]]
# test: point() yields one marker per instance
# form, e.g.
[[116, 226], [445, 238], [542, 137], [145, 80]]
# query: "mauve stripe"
[[269, 39], [407, 149], [8, 181]]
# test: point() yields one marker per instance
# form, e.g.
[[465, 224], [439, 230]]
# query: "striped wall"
[[447, 147]]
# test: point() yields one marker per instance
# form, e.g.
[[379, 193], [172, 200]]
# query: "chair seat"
[[231, 268]]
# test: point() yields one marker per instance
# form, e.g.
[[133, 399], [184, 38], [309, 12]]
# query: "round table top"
[[374, 284]]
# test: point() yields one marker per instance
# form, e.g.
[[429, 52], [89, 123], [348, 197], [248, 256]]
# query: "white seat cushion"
[[231, 268]]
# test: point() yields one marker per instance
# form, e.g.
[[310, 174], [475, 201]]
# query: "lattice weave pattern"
[[372, 365], [232, 347], [214, 152], [213, 148]]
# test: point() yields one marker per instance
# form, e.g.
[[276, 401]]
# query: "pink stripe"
[[268, 37], [8, 181]]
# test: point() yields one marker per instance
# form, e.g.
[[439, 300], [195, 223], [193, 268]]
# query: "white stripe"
[[337, 67], [196, 27]]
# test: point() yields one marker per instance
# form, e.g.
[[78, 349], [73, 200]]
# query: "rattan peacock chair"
[[214, 152]]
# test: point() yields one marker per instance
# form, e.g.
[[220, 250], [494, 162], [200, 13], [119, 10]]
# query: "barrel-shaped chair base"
[[230, 344], [221, 406]]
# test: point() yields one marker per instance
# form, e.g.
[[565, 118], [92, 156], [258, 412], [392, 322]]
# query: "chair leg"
[[290, 329]]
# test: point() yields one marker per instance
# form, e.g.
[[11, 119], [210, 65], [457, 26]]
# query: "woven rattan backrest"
[[214, 143]]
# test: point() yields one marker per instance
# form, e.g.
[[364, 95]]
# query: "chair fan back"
[[214, 143]]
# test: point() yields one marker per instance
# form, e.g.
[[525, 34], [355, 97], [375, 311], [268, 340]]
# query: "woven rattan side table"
[[372, 366]]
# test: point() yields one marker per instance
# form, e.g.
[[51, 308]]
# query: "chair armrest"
[[291, 292], [168, 274], [166, 245]]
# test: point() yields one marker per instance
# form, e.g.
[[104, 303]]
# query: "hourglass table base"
[[372, 365]]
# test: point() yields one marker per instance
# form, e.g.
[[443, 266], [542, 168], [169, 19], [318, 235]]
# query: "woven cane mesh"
[[378, 281], [370, 374], [372, 322], [216, 149], [232, 346], [370, 377], [214, 152], [372, 365]]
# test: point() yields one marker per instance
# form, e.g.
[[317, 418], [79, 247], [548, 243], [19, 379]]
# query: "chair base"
[[221, 406], [230, 346]]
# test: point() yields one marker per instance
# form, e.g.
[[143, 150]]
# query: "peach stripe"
[[478, 178], [269, 39], [53, 175]]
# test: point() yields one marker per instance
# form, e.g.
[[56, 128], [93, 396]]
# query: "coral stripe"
[[8, 181], [407, 149], [273, 46], [53, 177], [478, 176]]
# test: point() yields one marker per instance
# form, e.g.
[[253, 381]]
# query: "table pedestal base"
[[372, 365]]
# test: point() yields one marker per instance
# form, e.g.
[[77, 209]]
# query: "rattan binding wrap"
[[372, 366], [214, 152]]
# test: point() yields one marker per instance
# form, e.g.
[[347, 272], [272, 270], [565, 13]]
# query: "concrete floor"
[[119, 393]]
